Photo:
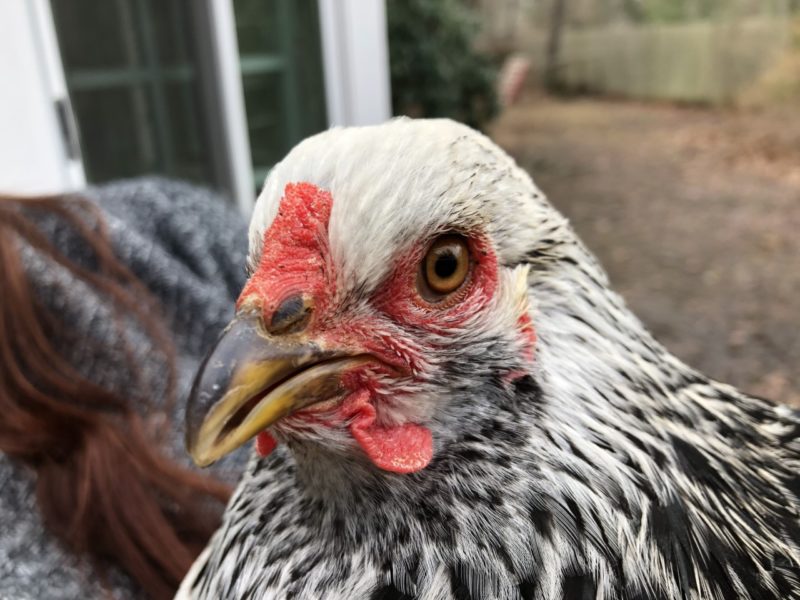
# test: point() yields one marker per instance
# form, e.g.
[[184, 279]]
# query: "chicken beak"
[[250, 380]]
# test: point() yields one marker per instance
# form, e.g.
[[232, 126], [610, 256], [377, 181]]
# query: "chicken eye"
[[445, 267]]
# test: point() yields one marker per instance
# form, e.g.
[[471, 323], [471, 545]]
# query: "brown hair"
[[103, 486]]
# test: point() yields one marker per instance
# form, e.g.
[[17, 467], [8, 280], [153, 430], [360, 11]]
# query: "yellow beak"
[[250, 380]]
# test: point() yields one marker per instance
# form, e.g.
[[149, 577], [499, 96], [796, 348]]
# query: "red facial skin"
[[294, 252], [295, 259]]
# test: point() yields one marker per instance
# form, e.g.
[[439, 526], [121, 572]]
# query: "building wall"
[[33, 156]]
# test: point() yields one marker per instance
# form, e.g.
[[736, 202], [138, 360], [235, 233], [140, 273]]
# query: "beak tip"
[[249, 381], [199, 458]]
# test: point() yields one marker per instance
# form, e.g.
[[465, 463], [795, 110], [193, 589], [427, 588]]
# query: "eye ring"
[[444, 268]]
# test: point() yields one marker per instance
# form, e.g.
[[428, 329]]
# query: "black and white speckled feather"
[[610, 470]]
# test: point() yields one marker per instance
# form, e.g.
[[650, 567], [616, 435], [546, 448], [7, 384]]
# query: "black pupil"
[[445, 265]]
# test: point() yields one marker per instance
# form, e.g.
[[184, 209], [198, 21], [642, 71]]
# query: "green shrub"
[[435, 70]]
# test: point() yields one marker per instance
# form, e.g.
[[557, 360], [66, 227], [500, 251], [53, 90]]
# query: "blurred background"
[[668, 131]]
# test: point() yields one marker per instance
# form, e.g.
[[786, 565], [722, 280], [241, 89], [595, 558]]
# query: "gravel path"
[[696, 216]]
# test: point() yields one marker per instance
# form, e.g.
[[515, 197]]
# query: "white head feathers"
[[395, 182]]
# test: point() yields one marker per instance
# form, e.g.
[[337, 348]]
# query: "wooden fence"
[[709, 62]]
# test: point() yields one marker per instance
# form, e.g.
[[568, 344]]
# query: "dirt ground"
[[695, 215]]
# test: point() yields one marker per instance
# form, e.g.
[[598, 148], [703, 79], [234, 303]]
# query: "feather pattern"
[[610, 470]]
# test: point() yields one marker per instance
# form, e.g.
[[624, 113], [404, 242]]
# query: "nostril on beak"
[[291, 316]]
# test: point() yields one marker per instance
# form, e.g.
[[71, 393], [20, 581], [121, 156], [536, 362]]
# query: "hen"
[[449, 402]]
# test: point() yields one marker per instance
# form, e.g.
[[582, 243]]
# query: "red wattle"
[[265, 444], [405, 448]]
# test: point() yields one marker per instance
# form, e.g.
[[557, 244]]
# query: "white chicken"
[[449, 402]]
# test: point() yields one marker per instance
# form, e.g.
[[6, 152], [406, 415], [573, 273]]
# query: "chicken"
[[449, 402]]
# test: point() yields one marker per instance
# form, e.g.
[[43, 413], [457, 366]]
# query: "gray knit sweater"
[[189, 248]]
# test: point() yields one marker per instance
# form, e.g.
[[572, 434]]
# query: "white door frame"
[[355, 55], [231, 131]]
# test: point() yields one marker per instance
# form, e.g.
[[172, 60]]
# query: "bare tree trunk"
[[557, 18]]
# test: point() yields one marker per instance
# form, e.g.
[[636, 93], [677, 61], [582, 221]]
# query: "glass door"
[[144, 91], [281, 65], [133, 79]]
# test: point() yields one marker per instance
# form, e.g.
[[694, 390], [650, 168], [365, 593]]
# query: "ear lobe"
[[516, 286], [405, 448]]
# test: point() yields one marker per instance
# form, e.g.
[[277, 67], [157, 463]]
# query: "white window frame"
[[355, 55]]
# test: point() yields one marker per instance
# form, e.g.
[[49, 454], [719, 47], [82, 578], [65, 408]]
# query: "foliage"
[[435, 70]]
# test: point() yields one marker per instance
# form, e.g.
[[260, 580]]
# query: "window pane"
[[265, 118], [116, 139], [133, 76], [281, 63], [95, 34], [307, 62], [171, 21], [257, 26], [184, 115]]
